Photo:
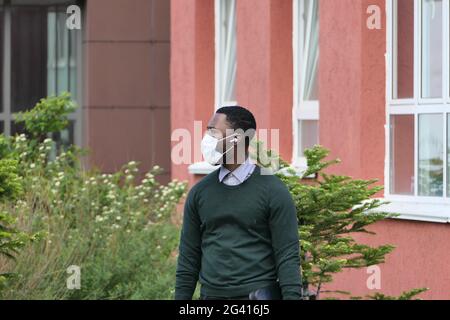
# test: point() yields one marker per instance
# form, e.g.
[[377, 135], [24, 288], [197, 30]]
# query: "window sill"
[[418, 211]]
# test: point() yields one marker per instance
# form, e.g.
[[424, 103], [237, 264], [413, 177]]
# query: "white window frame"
[[302, 110], [7, 116], [223, 57], [432, 209]]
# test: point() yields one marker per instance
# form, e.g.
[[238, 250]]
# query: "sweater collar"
[[241, 172]]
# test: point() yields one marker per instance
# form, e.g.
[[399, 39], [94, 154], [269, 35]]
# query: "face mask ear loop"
[[228, 150], [234, 134], [234, 141], [224, 154]]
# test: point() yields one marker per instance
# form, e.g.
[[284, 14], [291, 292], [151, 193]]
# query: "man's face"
[[234, 150], [219, 128]]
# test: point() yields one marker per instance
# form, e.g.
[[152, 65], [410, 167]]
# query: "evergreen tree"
[[330, 208]]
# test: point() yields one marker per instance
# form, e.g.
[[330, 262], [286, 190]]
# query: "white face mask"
[[209, 149]]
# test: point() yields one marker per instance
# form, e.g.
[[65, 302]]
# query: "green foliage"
[[48, 116], [11, 239], [407, 295], [330, 209], [116, 227], [140, 266], [10, 183]]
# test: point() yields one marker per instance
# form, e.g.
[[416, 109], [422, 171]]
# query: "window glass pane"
[[431, 146], [51, 53], [448, 155], [310, 56], [228, 50], [308, 135], [403, 50], [28, 56], [402, 155], [432, 47], [44, 57], [62, 58], [73, 62], [57, 65]]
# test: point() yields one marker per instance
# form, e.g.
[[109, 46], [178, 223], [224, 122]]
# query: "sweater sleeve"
[[285, 241], [189, 257]]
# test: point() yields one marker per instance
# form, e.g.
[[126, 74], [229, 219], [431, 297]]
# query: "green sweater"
[[236, 239]]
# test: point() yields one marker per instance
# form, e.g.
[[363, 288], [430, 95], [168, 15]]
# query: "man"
[[239, 235]]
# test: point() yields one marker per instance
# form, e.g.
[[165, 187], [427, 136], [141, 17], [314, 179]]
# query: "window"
[[306, 89], [225, 73], [418, 95], [40, 57]]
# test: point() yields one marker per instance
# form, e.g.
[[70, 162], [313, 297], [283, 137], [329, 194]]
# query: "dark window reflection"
[[28, 56]]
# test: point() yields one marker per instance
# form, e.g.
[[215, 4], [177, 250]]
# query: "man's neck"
[[233, 166]]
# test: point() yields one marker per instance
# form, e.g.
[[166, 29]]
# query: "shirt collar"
[[240, 172]]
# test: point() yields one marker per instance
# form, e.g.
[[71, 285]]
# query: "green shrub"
[[116, 227], [330, 209], [50, 115], [11, 239], [10, 184], [140, 266]]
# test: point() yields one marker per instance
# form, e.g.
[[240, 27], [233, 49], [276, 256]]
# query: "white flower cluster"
[[168, 196]]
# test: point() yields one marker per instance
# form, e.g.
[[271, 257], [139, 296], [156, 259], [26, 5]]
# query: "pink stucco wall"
[[192, 69], [264, 72], [420, 259], [352, 87]]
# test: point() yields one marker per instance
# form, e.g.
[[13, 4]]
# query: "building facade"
[[368, 80], [116, 67]]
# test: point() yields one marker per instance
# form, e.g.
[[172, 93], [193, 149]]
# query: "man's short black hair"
[[240, 118]]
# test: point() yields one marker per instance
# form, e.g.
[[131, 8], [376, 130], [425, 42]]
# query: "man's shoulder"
[[276, 190], [270, 179], [274, 186]]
